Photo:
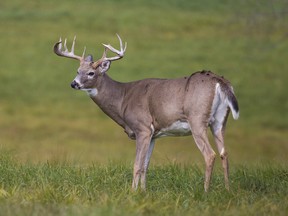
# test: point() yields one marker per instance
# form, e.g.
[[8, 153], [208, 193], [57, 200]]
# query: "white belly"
[[178, 128]]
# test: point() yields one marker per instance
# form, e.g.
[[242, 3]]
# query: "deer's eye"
[[91, 74]]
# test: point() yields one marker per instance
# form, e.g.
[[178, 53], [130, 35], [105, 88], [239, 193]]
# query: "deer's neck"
[[108, 95]]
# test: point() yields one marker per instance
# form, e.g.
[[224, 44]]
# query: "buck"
[[152, 108]]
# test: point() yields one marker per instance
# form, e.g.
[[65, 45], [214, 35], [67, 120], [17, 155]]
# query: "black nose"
[[75, 85]]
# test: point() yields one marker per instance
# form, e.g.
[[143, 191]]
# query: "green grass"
[[56, 134], [67, 189]]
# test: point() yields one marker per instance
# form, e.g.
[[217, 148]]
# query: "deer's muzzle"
[[75, 85]]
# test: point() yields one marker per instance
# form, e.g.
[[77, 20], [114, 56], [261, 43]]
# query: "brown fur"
[[151, 108]]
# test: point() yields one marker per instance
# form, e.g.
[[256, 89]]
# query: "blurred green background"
[[42, 118]]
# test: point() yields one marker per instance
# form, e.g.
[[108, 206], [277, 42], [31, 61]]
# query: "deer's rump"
[[204, 96]]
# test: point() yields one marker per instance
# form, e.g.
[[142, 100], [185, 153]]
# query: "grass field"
[[70, 159], [65, 189]]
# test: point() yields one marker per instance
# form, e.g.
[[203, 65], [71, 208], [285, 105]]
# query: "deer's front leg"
[[146, 163], [142, 146]]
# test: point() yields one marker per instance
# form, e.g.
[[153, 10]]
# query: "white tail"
[[227, 96]]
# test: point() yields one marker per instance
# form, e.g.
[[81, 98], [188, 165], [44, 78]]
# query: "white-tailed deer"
[[153, 108]]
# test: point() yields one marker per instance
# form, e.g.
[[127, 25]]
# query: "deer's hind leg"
[[199, 132], [218, 129]]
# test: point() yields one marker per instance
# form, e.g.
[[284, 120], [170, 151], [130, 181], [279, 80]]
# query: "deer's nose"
[[75, 85]]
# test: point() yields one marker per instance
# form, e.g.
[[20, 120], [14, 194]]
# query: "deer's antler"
[[70, 54], [65, 53], [120, 53]]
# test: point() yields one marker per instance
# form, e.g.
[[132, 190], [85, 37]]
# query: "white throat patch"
[[91, 92]]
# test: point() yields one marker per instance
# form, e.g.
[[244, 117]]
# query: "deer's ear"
[[89, 58], [104, 66]]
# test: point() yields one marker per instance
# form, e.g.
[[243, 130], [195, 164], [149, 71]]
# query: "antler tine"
[[120, 41], [65, 53], [60, 43], [120, 53], [125, 46], [121, 44], [73, 44], [65, 45], [83, 55], [104, 53]]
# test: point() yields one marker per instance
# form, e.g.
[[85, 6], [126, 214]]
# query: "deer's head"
[[89, 70]]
